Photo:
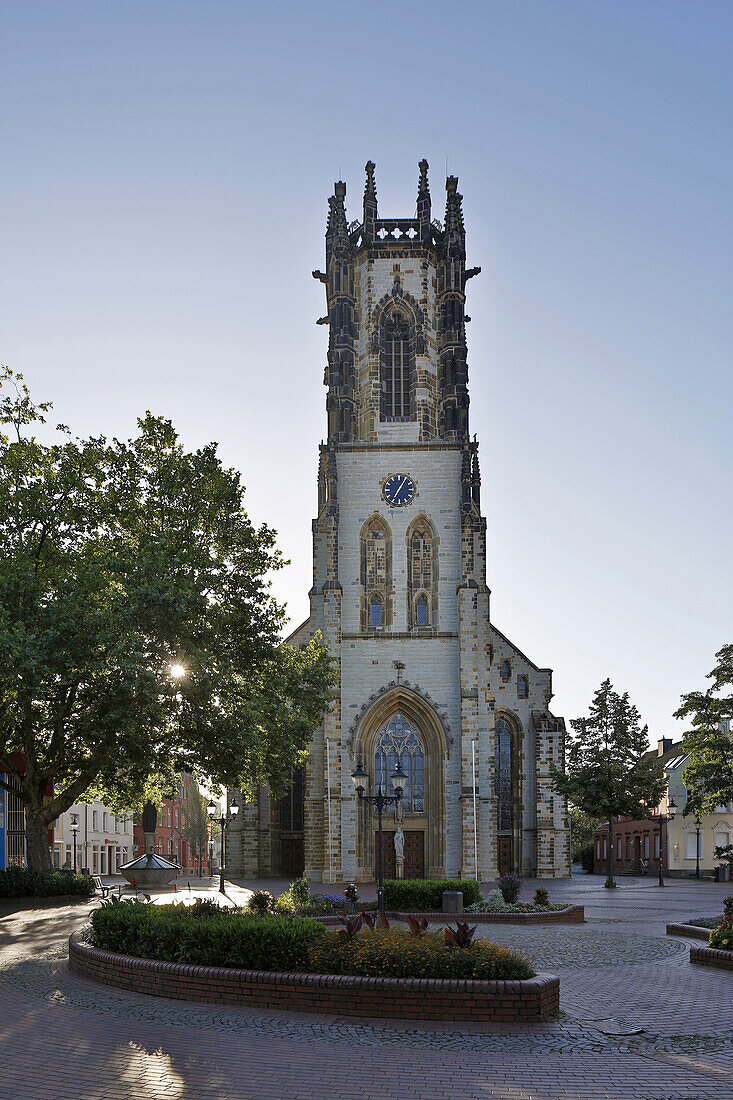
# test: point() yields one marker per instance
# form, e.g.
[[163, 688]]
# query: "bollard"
[[452, 901]]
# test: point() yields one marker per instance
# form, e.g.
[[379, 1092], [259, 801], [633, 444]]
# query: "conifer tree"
[[609, 771]]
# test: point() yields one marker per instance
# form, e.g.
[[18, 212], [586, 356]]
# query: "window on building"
[[503, 761], [522, 687], [646, 845], [605, 847], [376, 572], [690, 844], [422, 572], [95, 859], [506, 671], [291, 805], [396, 368], [628, 847], [656, 845], [400, 740], [618, 847], [95, 819], [721, 838], [104, 822]]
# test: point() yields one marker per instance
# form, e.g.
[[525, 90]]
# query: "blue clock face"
[[399, 489]]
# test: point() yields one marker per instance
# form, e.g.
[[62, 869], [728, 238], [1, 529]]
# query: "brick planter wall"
[[531, 1000], [573, 914], [712, 956], [689, 931]]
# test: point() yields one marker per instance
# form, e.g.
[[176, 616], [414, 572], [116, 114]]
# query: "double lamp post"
[[224, 818], [380, 802]]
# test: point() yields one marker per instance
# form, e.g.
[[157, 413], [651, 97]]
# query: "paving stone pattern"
[[65, 1037]]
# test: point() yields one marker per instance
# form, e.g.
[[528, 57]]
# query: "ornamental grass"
[[394, 953]]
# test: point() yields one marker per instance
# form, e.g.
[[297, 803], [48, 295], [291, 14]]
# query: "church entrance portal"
[[292, 856], [414, 854]]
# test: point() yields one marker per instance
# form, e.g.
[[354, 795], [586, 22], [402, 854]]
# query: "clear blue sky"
[[165, 174]]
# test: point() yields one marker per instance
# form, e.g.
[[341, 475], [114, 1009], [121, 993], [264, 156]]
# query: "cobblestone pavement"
[[638, 1022]]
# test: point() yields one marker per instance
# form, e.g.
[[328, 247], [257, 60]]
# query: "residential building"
[[104, 840]]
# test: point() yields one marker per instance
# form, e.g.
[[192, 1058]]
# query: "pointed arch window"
[[522, 687], [422, 616], [376, 574], [503, 762], [422, 568], [396, 367], [506, 672], [400, 740]]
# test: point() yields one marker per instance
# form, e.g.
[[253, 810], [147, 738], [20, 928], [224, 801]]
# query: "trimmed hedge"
[[420, 895], [394, 953], [176, 933], [17, 882]]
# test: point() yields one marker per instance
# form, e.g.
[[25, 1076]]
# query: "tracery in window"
[[503, 774], [400, 740], [376, 574], [396, 367], [422, 568]]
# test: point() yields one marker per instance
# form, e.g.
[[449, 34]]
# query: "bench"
[[104, 889]]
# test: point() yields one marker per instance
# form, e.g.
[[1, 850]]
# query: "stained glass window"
[[503, 774], [376, 611], [399, 740], [421, 610]]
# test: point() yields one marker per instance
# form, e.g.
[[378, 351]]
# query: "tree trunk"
[[610, 880], [38, 852]]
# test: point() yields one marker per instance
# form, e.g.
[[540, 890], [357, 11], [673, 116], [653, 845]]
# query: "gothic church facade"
[[399, 590]]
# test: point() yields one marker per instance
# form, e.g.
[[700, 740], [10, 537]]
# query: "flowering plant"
[[261, 902], [722, 936], [351, 894]]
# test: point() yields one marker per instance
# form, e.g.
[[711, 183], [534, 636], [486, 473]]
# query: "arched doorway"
[[402, 724]]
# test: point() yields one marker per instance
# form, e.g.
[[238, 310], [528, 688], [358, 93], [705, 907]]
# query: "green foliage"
[[510, 885], [541, 898], [724, 853], [395, 953], [421, 895], [722, 936], [174, 934], [588, 857], [582, 827], [120, 559], [609, 770], [17, 882], [260, 902], [709, 772]]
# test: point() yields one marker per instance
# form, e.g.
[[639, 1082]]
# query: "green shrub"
[[510, 885], [394, 953], [421, 895], [17, 882], [587, 856], [173, 933], [541, 898], [261, 901]]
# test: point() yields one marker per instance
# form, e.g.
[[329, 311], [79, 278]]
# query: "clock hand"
[[400, 487]]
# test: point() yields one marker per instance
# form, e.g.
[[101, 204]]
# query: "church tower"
[[399, 589]]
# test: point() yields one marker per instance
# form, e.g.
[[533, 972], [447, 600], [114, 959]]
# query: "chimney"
[[663, 744]]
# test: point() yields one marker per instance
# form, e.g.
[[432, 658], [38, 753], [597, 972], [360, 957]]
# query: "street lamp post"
[[669, 816], [74, 826], [697, 845], [224, 820], [380, 802]]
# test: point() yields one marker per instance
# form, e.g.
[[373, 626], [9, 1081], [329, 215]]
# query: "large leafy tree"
[[609, 770], [138, 635], [709, 773]]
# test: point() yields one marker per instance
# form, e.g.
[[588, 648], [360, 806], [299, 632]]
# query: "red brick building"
[[170, 838], [635, 845]]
